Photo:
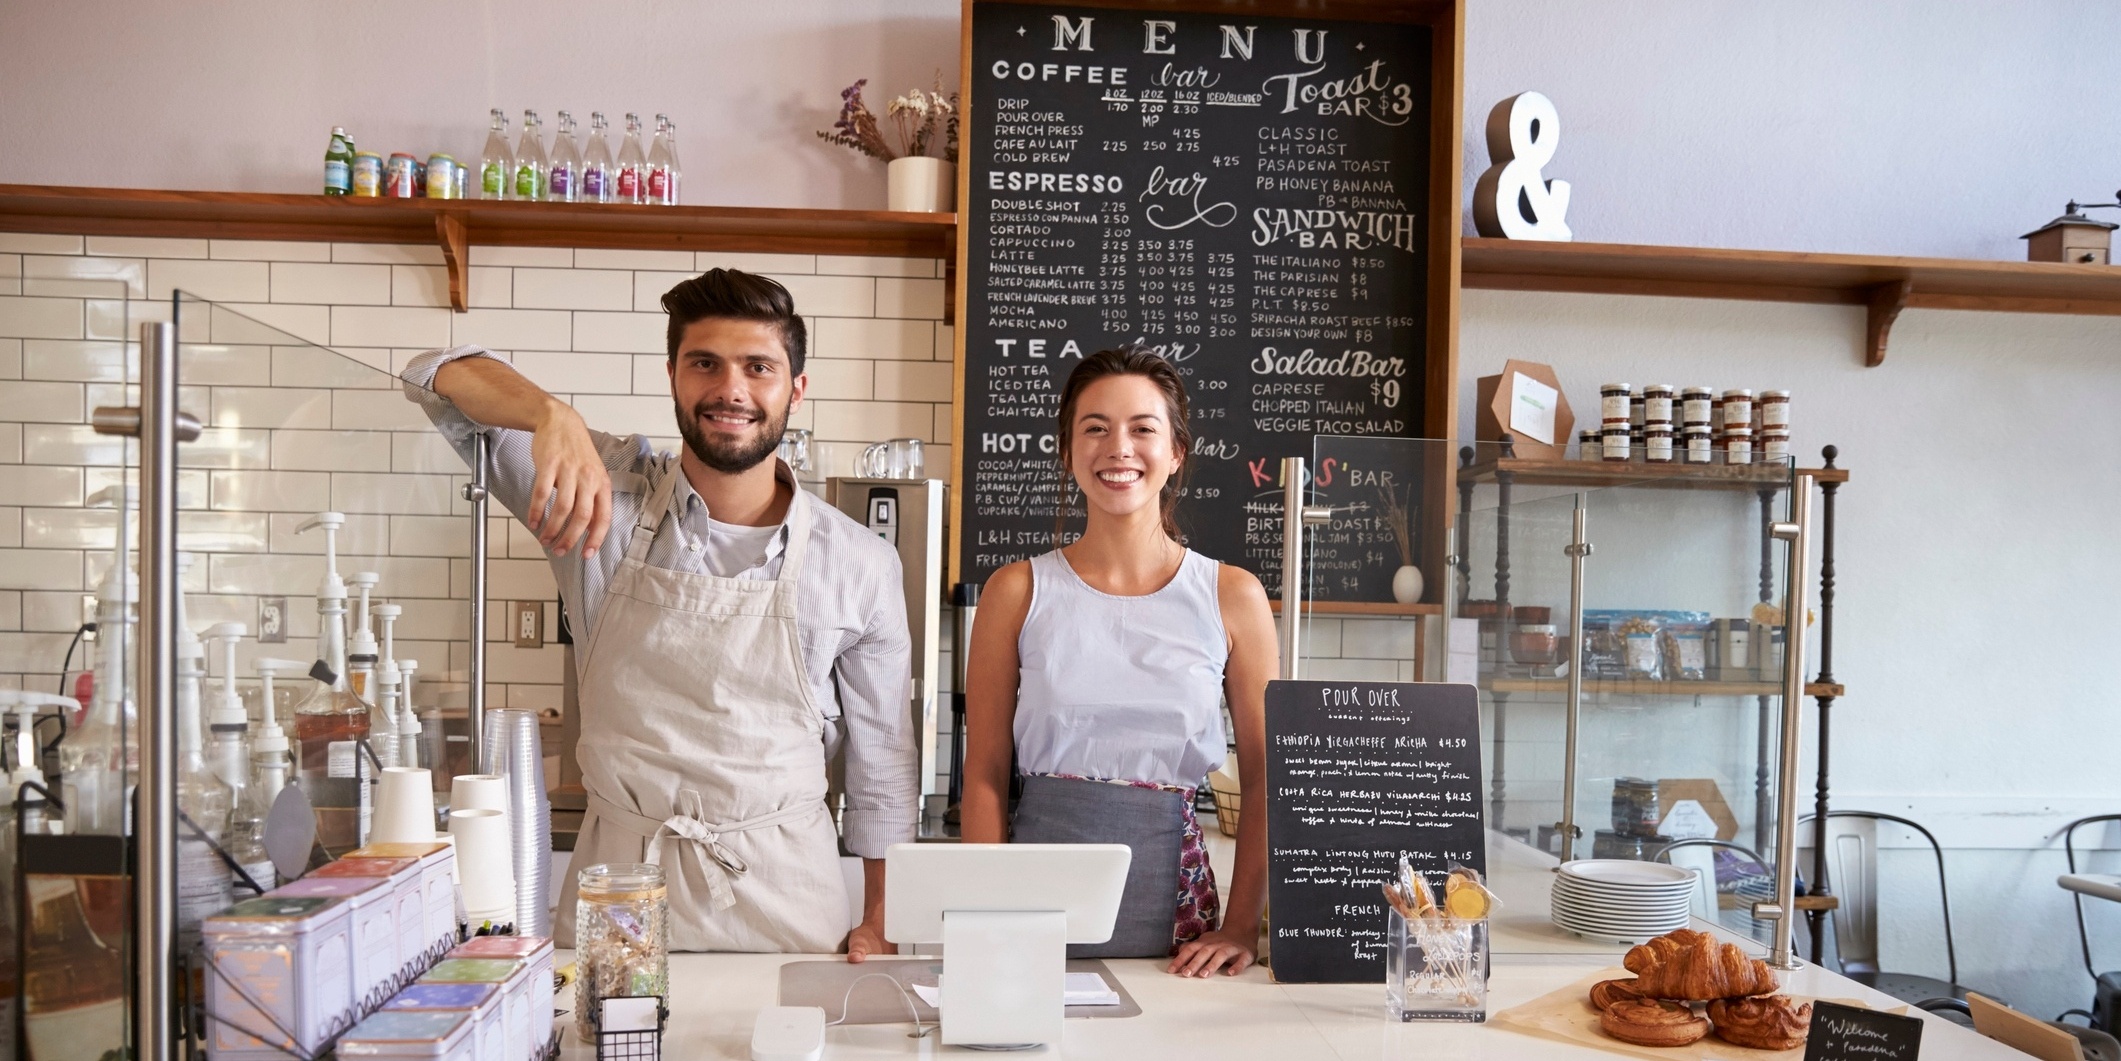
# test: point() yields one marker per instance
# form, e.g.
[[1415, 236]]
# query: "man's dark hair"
[[740, 296]]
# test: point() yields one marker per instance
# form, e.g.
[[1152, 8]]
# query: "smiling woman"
[[1168, 635]]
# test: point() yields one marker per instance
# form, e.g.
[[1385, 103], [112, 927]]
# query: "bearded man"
[[741, 632]]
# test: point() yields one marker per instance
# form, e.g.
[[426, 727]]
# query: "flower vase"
[[921, 184], [1407, 585]]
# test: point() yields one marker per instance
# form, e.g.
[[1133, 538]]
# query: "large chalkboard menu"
[[1359, 773], [1249, 195]]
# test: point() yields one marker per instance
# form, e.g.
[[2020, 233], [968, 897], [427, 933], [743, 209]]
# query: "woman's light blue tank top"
[[1122, 688]]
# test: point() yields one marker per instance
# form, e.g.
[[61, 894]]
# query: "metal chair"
[[1705, 902], [1852, 870], [2105, 1013]]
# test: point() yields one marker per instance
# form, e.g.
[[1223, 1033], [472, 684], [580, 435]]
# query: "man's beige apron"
[[702, 751]]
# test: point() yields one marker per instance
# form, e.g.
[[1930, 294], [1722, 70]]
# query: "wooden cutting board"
[[1568, 1015]]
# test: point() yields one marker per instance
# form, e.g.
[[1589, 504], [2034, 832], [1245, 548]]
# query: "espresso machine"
[[908, 514]]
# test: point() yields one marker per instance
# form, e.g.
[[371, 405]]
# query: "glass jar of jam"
[[1657, 444], [1774, 409], [1694, 406], [1657, 403], [1613, 401], [1738, 445]]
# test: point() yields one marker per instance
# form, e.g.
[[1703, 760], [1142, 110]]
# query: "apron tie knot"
[[718, 863]]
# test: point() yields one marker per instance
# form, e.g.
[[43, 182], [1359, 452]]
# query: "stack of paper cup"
[[478, 792], [405, 807], [485, 864]]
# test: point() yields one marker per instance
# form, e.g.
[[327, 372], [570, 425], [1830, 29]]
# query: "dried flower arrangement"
[[1399, 518], [919, 120]]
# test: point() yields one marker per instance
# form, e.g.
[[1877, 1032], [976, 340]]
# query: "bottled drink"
[[663, 163], [631, 187], [229, 752], [530, 160], [203, 798], [338, 163], [497, 164], [596, 163], [331, 722], [565, 184]]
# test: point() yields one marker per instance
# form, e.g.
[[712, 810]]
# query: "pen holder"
[[1436, 969]]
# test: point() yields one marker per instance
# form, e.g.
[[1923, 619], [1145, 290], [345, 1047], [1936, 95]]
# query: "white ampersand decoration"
[[1511, 199]]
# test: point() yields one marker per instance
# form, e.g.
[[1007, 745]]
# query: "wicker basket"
[[1227, 799]]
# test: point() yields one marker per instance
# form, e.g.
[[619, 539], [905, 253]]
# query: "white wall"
[[242, 94], [1976, 560]]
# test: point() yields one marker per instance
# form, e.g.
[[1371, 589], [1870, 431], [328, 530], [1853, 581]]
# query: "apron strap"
[[652, 509], [797, 527], [704, 839]]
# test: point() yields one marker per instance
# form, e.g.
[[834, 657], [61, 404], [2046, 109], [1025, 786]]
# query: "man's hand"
[[867, 939], [572, 477], [1220, 949]]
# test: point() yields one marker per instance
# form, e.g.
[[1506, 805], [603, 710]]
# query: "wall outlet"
[[272, 620], [526, 623]]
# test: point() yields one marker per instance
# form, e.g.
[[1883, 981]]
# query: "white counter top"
[[714, 999]]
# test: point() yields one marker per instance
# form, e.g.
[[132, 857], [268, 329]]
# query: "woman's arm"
[[990, 705], [1255, 659]]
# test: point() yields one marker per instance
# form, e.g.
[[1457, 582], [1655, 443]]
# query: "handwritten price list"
[[1242, 194], [1360, 773]]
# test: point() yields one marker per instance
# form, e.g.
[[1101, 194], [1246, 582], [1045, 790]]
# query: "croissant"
[[1771, 1023], [1695, 967]]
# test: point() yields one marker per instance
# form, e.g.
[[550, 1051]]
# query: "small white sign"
[[1687, 820], [1532, 408]]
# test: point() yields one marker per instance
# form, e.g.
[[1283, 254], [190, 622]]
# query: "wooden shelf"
[[1601, 473], [1884, 285], [458, 224], [1649, 688]]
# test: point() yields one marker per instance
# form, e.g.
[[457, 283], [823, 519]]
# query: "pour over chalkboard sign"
[[1263, 193], [1358, 774], [1845, 1033]]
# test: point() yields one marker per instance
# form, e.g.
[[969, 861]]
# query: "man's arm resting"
[[570, 501]]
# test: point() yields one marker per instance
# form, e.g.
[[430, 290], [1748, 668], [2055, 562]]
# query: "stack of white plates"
[[1618, 900]]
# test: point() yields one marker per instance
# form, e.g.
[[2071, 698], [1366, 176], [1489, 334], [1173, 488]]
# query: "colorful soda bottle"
[[565, 185], [596, 164], [496, 163], [530, 160], [338, 163], [631, 187]]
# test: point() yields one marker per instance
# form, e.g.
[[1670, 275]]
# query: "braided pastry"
[[1652, 1022], [1693, 966], [1772, 1022], [1606, 992]]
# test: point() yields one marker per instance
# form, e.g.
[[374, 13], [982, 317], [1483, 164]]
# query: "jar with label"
[[1590, 445], [1737, 409], [1657, 448], [1694, 406], [1657, 403], [1775, 445], [1775, 409], [1700, 446], [1738, 445], [622, 938], [1616, 441], [1613, 401]]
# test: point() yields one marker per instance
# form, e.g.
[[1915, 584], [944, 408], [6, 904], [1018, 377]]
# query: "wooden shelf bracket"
[[1883, 304], [456, 254]]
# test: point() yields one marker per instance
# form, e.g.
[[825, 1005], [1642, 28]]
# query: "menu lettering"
[[1240, 194], [1360, 773]]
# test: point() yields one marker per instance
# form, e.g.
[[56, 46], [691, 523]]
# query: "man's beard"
[[730, 457]]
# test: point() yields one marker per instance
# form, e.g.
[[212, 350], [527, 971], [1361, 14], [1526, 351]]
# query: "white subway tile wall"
[[294, 430]]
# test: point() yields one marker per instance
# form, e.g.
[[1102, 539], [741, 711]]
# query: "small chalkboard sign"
[[1845, 1033], [1358, 774]]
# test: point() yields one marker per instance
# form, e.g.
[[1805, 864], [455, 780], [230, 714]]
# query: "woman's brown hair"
[[1132, 361]]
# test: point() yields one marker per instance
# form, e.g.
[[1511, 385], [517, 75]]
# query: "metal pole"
[[475, 492], [155, 826], [1578, 549], [1293, 476], [1797, 532]]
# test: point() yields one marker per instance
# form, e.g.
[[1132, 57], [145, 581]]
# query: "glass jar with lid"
[[1657, 444], [1738, 445], [1700, 446], [622, 938], [1657, 403], [1613, 401], [1695, 403], [1775, 409], [1738, 409]]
